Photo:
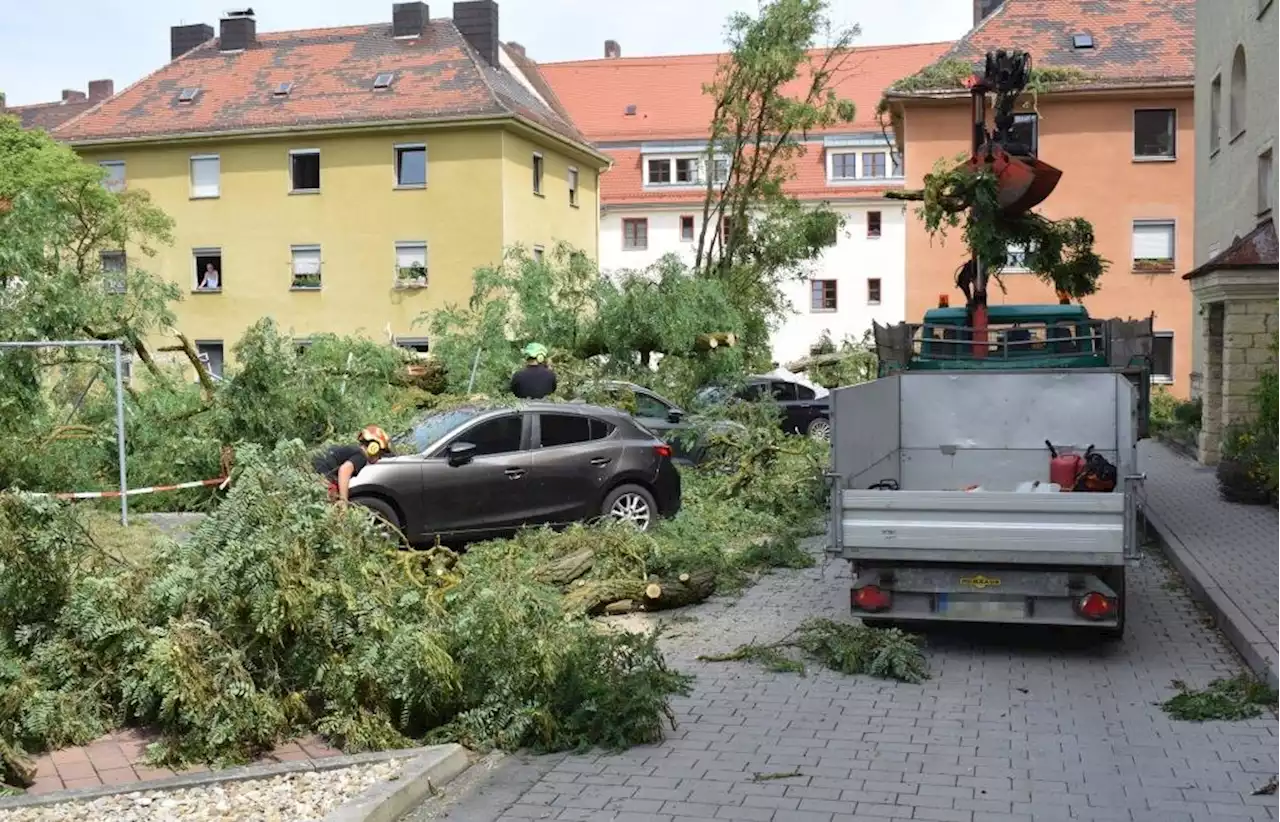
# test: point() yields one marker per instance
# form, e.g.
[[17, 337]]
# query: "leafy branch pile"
[[843, 647], [1240, 697]]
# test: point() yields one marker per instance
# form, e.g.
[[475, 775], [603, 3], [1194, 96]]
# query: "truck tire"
[[1116, 581]]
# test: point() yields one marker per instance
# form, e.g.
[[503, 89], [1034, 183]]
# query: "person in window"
[[536, 380], [209, 280], [342, 463]]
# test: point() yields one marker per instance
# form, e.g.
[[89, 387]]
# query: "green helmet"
[[535, 351]]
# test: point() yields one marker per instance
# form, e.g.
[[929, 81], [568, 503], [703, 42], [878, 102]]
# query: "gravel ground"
[[299, 797]]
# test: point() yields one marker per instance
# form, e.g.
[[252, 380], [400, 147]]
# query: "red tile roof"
[[48, 116], [667, 91], [1258, 249], [1135, 42], [437, 76]]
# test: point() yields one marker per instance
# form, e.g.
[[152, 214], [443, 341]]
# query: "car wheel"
[[630, 504], [820, 429], [384, 516]]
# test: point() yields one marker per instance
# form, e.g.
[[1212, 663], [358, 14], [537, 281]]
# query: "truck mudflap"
[[1092, 598]]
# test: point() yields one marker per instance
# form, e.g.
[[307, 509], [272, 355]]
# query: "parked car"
[[803, 410], [663, 417], [477, 473]]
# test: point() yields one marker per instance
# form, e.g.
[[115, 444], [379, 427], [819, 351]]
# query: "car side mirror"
[[461, 453], [674, 415]]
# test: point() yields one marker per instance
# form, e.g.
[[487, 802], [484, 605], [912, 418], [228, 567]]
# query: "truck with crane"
[[990, 474]]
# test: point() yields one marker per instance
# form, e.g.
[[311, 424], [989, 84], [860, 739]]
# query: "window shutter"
[[204, 176], [306, 261], [1153, 241]]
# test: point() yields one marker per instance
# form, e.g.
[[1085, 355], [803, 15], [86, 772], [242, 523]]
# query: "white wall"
[[851, 262]]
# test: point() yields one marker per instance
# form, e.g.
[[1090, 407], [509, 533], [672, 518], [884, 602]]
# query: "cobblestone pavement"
[[1233, 545], [1011, 728]]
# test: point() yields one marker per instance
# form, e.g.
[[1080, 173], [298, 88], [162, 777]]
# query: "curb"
[[206, 778], [418, 780], [1258, 652]]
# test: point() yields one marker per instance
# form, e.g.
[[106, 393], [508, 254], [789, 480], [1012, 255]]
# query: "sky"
[[67, 44]]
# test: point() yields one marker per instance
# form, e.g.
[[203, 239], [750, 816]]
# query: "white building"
[[651, 117]]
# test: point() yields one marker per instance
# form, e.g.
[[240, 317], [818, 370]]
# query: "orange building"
[[1122, 131]]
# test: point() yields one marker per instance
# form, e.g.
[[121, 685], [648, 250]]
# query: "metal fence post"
[[124, 471]]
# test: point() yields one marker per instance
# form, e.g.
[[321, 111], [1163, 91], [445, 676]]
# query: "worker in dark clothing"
[[341, 463], [536, 380]]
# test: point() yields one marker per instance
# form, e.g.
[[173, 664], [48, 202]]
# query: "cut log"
[[710, 342], [567, 568], [595, 596], [622, 606], [677, 593]]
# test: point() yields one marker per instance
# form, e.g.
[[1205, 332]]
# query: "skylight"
[[630, 111], [187, 95], [383, 80], [282, 90], [1082, 41]]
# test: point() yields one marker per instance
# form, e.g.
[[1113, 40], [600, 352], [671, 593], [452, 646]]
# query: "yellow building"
[[343, 180]]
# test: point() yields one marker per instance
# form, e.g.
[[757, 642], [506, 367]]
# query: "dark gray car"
[[684, 433], [477, 473]]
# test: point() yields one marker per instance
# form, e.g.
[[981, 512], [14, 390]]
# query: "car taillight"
[[1094, 605], [663, 450], [870, 598]]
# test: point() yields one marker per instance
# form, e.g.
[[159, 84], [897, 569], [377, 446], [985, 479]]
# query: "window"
[[188, 95], [282, 90], [1162, 357], [720, 170], [383, 80], [804, 392], [537, 173], [783, 391], [496, 436], [210, 353], [844, 166], [113, 271], [1239, 93], [687, 170], [306, 267], [1082, 41], [650, 406], [114, 181], [419, 344], [411, 166], [897, 164], [686, 228], [564, 429], [573, 187], [1266, 173], [539, 253], [1153, 246], [873, 165], [873, 224], [659, 171], [304, 170], [1215, 115], [205, 171], [301, 345], [823, 295], [635, 234], [1153, 133], [1015, 257], [1026, 134], [411, 264], [207, 268], [873, 291]]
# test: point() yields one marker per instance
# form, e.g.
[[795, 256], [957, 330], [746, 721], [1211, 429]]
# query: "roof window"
[[630, 110], [188, 95], [383, 80], [282, 90], [1082, 41]]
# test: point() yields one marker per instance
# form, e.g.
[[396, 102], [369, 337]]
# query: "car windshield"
[[430, 429]]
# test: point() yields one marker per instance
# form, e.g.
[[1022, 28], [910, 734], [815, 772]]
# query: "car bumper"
[[667, 489]]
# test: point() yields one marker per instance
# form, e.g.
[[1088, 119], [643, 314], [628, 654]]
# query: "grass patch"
[[135, 543], [1240, 697]]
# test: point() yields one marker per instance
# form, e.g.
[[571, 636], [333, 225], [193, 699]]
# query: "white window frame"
[[300, 152], [572, 180], [893, 168], [1154, 158], [1173, 244], [206, 194], [395, 165], [539, 253], [862, 163], [108, 284], [1265, 206], [822, 309], [305, 248], [1215, 115], [693, 227], [879, 233], [699, 165], [1016, 268], [831, 166], [716, 179], [204, 356], [403, 280], [879, 281], [539, 173], [1165, 379], [205, 251], [110, 184]]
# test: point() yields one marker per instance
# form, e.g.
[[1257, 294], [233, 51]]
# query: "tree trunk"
[[686, 589], [596, 597], [567, 568]]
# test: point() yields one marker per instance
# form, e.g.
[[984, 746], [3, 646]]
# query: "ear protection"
[[372, 448]]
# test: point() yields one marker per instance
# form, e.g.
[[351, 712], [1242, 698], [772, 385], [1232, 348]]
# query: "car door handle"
[[514, 473], [600, 461]]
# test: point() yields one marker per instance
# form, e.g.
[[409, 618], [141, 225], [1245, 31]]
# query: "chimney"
[[477, 21], [101, 89], [982, 9], [612, 51], [409, 19], [70, 95], [237, 31], [183, 39]]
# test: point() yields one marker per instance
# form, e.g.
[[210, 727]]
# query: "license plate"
[[982, 608]]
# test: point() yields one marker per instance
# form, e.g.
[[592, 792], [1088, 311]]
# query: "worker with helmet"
[[536, 380], [341, 463]]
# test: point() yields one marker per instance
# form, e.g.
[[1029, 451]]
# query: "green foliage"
[[1174, 419], [1248, 472], [1240, 697], [952, 74], [848, 648], [852, 363]]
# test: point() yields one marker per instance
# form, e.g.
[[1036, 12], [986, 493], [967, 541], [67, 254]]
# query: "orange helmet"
[[374, 440]]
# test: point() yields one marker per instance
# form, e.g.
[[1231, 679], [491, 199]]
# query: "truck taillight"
[[662, 450], [1094, 605], [870, 598]]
